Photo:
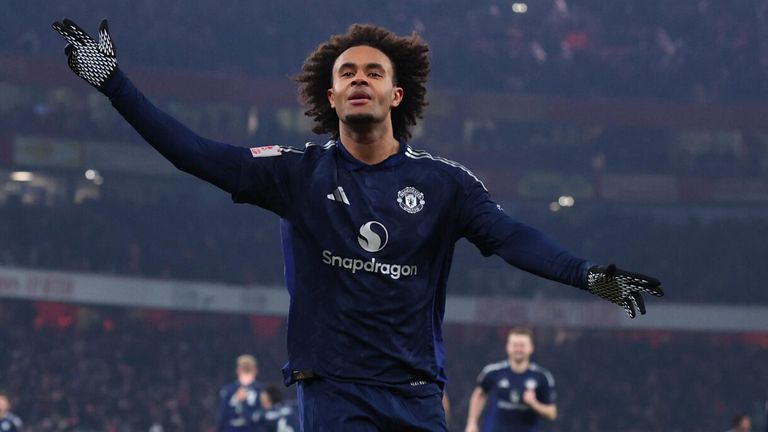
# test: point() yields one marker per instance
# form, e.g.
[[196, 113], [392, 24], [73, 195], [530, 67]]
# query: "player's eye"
[[347, 74], [375, 74]]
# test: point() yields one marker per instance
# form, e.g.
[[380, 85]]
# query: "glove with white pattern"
[[92, 61], [622, 287]]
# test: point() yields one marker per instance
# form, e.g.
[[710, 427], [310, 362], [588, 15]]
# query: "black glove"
[[622, 287], [91, 61]]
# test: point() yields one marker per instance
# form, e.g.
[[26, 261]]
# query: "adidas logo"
[[338, 195]]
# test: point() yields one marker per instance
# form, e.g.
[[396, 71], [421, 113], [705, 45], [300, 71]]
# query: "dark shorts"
[[333, 406]]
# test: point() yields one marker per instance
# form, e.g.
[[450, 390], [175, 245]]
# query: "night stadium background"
[[633, 131]]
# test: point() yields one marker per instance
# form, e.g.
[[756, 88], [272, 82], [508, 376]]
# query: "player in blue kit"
[[368, 224], [277, 414], [516, 392], [8, 421], [240, 399]]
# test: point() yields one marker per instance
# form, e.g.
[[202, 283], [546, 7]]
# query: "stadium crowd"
[[84, 369], [64, 114], [687, 50]]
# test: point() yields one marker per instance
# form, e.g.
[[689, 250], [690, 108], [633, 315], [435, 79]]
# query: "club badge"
[[531, 384], [411, 200]]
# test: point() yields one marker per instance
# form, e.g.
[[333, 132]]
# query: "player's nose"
[[360, 79]]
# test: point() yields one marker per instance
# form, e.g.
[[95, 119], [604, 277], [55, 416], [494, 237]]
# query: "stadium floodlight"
[[566, 201], [21, 176]]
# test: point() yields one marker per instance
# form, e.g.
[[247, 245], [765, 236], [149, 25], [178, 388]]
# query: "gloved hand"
[[622, 287], [92, 61]]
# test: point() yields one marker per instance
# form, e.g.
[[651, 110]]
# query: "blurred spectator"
[[687, 49], [741, 423]]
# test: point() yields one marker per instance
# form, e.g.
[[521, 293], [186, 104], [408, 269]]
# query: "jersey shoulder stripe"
[[420, 154], [547, 374], [326, 146], [495, 366]]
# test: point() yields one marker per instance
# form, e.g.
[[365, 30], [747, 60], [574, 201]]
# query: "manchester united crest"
[[411, 200]]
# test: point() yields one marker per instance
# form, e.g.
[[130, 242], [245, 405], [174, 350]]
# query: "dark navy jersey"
[[505, 409], [10, 423], [234, 414], [367, 248], [282, 417]]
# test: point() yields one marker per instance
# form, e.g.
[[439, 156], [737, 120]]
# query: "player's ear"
[[397, 97], [329, 93]]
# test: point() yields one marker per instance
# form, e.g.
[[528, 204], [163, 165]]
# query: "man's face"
[[745, 425], [266, 401], [246, 375], [519, 347], [4, 404], [363, 91]]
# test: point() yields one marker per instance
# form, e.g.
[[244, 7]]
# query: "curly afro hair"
[[409, 60]]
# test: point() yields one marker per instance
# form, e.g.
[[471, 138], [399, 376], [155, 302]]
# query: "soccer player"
[[520, 392], [277, 415], [368, 223], [8, 421], [239, 400]]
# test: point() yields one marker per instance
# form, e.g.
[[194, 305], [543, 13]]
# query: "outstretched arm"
[[96, 62], [494, 232]]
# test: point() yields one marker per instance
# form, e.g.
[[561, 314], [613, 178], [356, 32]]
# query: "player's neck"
[[519, 367], [369, 146]]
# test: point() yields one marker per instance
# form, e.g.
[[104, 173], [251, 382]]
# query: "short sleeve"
[[485, 381], [546, 392]]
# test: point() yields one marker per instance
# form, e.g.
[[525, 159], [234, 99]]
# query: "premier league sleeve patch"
[[411, 200], [266, 151]]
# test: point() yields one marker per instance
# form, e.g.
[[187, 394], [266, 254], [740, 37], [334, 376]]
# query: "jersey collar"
[[353, 164]]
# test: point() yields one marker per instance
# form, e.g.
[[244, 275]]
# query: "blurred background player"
[[8, 421], [277, 414], [521, 392], [741, 423], [239, 400]]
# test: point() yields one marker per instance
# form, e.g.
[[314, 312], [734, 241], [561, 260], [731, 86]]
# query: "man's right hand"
[[92, 61], [241, 394], [472, 428]]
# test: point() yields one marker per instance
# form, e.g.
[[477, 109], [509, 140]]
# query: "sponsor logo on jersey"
[[411, 199], [373, 236], [266, 151], [372, 265]]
